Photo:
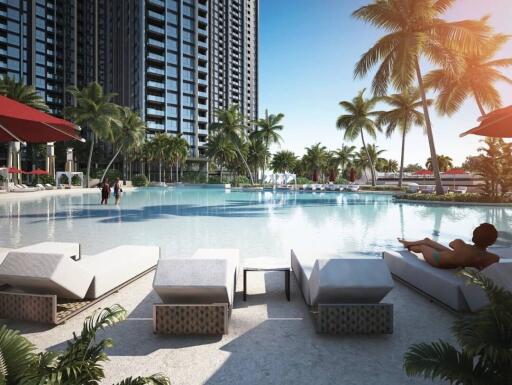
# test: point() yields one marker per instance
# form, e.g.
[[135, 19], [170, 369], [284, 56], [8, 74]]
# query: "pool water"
[[180, 220]]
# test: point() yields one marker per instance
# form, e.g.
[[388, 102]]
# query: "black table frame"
[[286, 279]]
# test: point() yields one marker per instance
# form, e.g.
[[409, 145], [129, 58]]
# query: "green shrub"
[[215, 179], [1, 178], [469, 198], [193, 177], [63, 179], [140, 180], [44, 179], [111, 174], [76, 181], [240, 180], [80, 363], [382, 188], [341, 180], [302, 180]]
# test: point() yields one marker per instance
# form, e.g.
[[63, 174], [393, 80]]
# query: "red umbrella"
[[496, 124], [14, 170], [455, 171], [423, 172], [38, 172], [21, 123]]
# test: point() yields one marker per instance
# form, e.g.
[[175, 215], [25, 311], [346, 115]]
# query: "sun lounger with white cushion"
[[197, 293], [38, 281], [48, 186], [346, 293], [445, 286]]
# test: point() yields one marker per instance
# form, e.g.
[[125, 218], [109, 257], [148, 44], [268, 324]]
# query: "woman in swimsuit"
[[105, 192], [459, 254], [117, 191]]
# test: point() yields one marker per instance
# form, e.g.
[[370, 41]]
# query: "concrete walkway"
[[271, 341]]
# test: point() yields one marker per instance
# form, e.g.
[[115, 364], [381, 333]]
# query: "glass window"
[[187, 127], [172, 124], [188, 23], [188, 74], [188, 101], [13, 64], [172, 17], [172, 97], [40, 34], [13, 26], [172, 111], [188, 36], [188, 62], [40, 71], [40, 23], [172, 31], [188, 10], [188, 87], [13, 14], [172, 58], [172, 44], [40, 83], [188, 113], [172, 5], [172, 70], [171, 84], [188, 48], [13, 52]]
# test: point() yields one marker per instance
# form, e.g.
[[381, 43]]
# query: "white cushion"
[[112, 268], [68, 249], [3, 253], [45, 273]]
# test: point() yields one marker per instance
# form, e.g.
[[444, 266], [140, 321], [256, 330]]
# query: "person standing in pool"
[[459, 254], [105, 192], [117, 191]]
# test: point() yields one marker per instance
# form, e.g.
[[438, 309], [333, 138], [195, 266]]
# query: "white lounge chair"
[[48, 186], [353, 187], [46, 279], [460, 190], [40, 186], [428, 189]]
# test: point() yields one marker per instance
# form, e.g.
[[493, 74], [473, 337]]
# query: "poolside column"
[[13, 159], [50, 159]]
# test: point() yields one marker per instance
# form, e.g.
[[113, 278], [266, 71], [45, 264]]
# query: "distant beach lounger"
[[50, 287], [197, 293], [428, 189], [446, 286], [352, 187], [346, 293], [48, 186]]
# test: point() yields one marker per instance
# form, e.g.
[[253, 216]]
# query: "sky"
[[307, 53]]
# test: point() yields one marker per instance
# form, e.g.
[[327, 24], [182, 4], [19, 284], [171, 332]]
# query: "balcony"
[[156, 43], [158, 3], [154, 125], [153, 84], [155, 98], [156, 57], [156, 15], [154, 112], [155, 71], [155, 29]]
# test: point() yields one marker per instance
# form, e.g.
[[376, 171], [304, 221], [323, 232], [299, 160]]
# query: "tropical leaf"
[[16, 355], [156, 379]]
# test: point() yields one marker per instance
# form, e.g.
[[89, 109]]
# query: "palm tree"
[[415, 29], [257, 153], [445, 163], [220, 151], [404, 115], [477, 79], [389, 165], [370, 156], [128, 135], [267, 131], [358, 120], [345, 156], [160, 147], [230, 124], [17, 90], [484, 344], [93, 109], [80, 363], [315, 160], [177, 149], [283, 161]]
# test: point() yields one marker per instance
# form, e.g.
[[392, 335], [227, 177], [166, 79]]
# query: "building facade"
[[173, 61]]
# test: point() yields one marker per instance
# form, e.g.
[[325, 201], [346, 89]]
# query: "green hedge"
[[464, 198], [302, 180], [193, 177], [140, 180], [76, 181], [215, 179], [44, 179], [382, 188], [63, 179], [111, 174]]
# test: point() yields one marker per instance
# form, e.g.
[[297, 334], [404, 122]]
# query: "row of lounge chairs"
[[329, 187], [430, 189], [51, 282], [12, 187]]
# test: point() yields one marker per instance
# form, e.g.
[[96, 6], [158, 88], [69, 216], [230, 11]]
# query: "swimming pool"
[[180, 220]]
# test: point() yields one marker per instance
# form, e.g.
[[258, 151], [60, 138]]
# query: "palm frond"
[[155, 379]]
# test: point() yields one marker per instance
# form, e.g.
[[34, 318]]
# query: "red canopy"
[[37, 172], [21, 123], [423, 172], [455, 171], [14, 170], [496, 124]]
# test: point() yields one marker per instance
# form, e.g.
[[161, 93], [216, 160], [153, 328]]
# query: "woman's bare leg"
[[424, 242]]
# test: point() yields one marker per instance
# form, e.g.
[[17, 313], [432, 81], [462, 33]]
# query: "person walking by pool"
[[105, 192], [459, 253], [117, 191]]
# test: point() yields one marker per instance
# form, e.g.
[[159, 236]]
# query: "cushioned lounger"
[[446, 286], [346, 293], [197, 293]]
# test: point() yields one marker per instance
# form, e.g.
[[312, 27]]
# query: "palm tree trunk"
[[430, 136], [110, 163], [149, 171], [401, 177], [89, 160], [160, 170], [245, 164], [221, 174], [369, 159], [177, 172], [480, 107], [165, 168]]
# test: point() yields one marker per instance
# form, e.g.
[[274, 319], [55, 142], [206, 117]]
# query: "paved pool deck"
[[270, 341]]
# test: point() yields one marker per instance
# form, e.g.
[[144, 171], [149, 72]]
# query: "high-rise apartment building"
[[176, 61], [173, 61]]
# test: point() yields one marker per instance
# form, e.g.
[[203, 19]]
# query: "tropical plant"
[[345, 156], [81, 362], [485, 340], [413, 167], [140, 180], [17, 90], [230, 124], [477, 79], [445, 163], [267, 131], [177, 152], [220, 151], [160, 146], [94, 110], [128, 133], [283, 161], [315, 160], [360, 118], [403, 115], [389, 165], [415, 29], [257, 153], [368, 157]]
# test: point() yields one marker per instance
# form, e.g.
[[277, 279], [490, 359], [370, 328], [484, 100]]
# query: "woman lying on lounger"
[[459, 254]]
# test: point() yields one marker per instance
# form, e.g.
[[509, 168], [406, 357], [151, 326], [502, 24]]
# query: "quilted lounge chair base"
[[355, 318], [191, 319], [47, 308]]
